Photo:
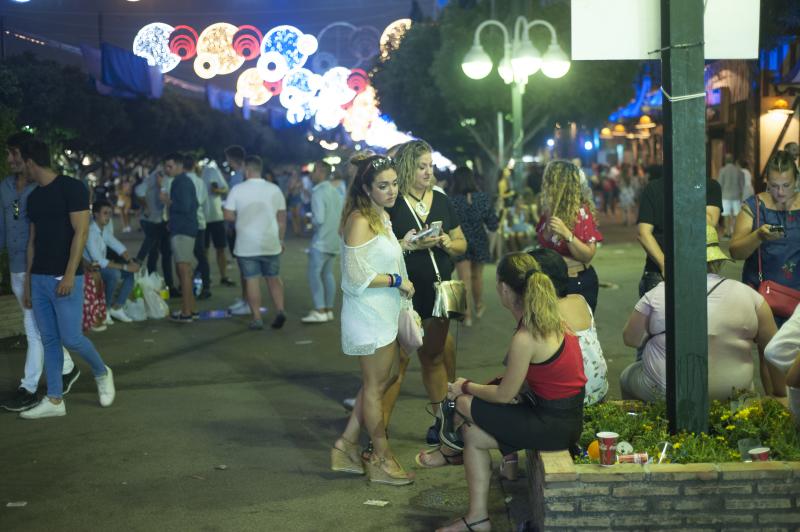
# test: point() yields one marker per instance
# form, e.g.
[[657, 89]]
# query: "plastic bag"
[[135, 309], [155, 307]]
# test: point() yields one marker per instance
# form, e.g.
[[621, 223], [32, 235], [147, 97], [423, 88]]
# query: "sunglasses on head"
[[381, 163]]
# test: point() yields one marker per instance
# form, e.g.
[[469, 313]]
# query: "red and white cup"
[[759, 454], [608, 447]]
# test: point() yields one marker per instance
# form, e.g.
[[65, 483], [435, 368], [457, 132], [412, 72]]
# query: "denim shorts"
[[261, 266]]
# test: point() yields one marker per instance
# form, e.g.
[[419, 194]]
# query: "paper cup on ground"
[[608, 447], [759, 454]]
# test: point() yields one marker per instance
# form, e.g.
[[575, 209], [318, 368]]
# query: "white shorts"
[[731, 207]]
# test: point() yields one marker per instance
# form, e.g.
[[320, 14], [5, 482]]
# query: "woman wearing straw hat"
[[737, 317]]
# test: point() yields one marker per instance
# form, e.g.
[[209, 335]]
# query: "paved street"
[[216, 427]]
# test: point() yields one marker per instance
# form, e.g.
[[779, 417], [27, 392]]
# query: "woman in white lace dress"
[[376, 287]]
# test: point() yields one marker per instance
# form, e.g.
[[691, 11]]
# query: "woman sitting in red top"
[[538, 404], [567, 226]]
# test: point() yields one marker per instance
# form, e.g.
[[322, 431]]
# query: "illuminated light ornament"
[[358, 80], [274, 87], [206, 65], [392, 36], [323, 61], [250, 85], [361, 114], [217, 40], [364, 43], [297, 114], [328, 115], [247, 42], [286, 40], [300, 87], [335, 88], [239, 100], [152, 43], [307, 44], [272, 66], [183, 42]]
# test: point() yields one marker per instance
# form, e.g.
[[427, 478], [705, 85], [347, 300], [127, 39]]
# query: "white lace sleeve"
[[357, 273]]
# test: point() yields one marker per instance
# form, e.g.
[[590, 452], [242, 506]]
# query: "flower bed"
[[719, 493], [645, 428]]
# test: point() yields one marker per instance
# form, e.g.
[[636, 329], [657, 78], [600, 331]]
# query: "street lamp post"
[[520, 60]]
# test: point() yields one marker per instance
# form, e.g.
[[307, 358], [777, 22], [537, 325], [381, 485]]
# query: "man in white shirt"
[[258, 209], [731, 179], [117, 273], [783, 352], [217, 187]]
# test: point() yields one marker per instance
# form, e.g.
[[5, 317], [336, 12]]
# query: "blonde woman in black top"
[[419, 201]]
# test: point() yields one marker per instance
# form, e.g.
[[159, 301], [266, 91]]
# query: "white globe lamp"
[[476, 64], [555, 63], [526, 60]]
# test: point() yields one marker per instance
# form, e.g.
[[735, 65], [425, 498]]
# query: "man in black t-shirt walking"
[[651, 225], [58, 210]]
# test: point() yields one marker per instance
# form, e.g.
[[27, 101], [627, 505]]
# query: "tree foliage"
[[424, 90], [61, 104]]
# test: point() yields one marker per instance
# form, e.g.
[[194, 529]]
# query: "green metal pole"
[[685, 199], [517, 91]]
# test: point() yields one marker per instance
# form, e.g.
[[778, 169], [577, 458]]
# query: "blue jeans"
[[59, 320], [321, 279], [111, 278]]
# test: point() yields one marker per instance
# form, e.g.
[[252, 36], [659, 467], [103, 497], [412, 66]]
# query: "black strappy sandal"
[[470, 525]]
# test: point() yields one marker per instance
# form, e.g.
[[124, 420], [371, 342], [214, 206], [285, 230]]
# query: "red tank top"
[[560, 376]]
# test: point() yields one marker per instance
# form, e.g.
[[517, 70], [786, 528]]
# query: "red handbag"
[[781, 299]]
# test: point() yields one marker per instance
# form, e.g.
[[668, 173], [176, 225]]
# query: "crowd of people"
[[402, 239]]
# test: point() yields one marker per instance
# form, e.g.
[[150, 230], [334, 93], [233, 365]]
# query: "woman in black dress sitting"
[[419, 206]]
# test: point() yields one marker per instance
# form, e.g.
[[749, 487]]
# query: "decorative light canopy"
[[152, 43], [392, 36], [217, 40], [331, 95]]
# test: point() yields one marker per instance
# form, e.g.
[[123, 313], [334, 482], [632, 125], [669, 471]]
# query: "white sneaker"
[[45, 408], [330, 315], [315, 317], [241, 310], [238, 303], [119, 315], [100, 328], [105, 388], [108, 321]]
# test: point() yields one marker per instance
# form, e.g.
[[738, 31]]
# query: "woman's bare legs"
[[393, 392], [478, 470], [465, 274], [431, 356], [378, 372], [477, 285]]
